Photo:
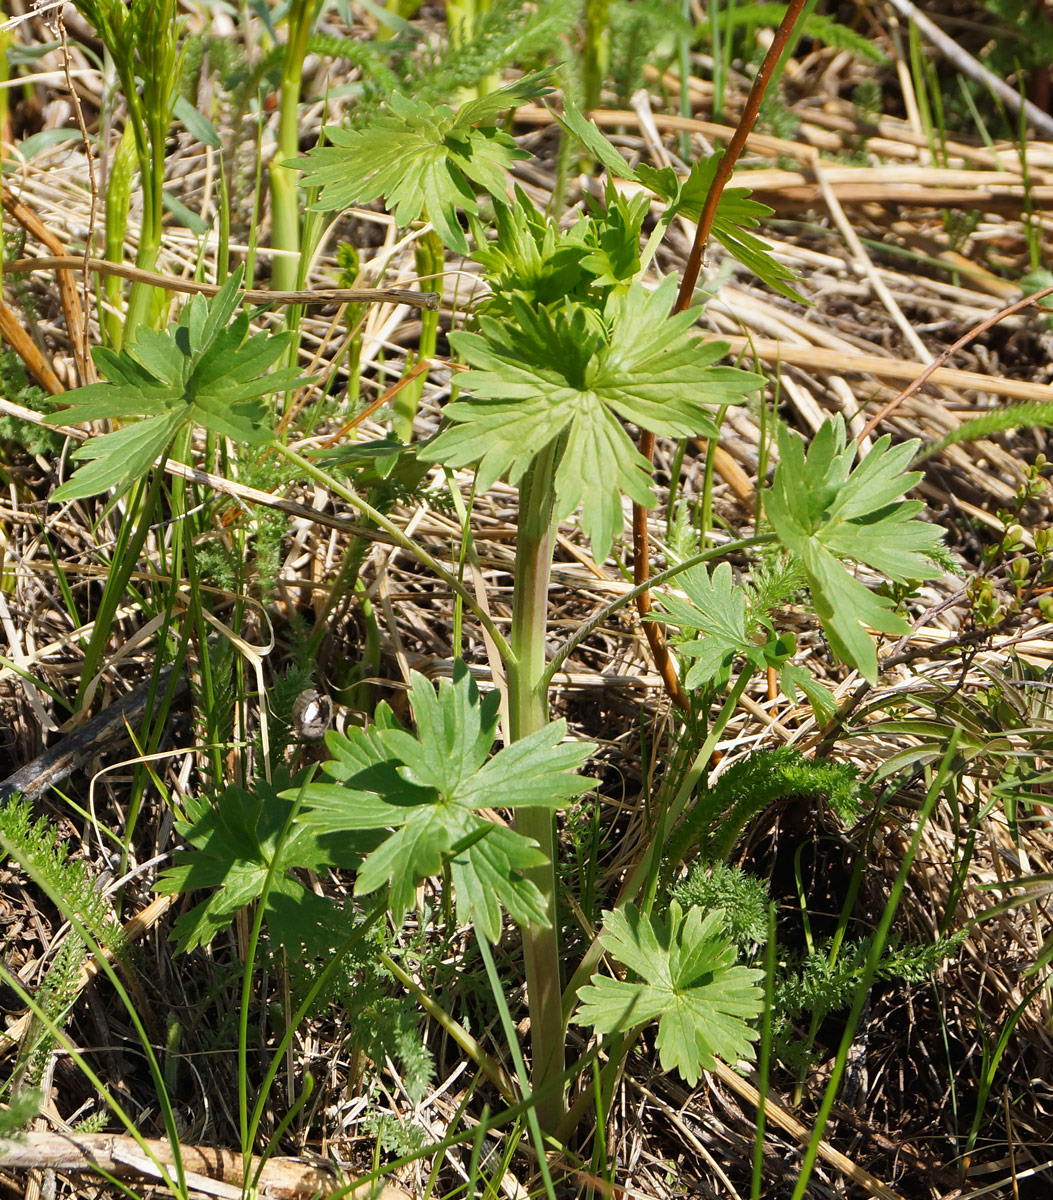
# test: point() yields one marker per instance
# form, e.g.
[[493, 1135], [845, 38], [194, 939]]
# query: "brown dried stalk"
[[654, 631]]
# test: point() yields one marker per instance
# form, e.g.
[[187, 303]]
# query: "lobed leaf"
[[235, 842], [686, 979], [206, 369], [426, 788], [569, 372], [825, 511], [422, 157]]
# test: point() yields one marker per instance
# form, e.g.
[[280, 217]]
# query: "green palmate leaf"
[[687, 980], [719, 609], [573, 373], [239, 839], [205, 370], [422, 157], [824, 512], [427, 787]]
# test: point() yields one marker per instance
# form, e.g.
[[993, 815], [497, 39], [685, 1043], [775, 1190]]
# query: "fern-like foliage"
[[17, 1112], [511, 32], [820, 983], [742, 898], [747, 18], [36, 847], [1022, 36], [748, 786], [1034, 413], [642, 32]]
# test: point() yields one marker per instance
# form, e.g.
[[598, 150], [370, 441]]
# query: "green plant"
[[569, 347], [207, 370], [422, 156], [142, 40]]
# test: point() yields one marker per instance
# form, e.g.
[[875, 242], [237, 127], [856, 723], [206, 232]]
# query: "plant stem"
[[528, 712], [648, 862], [428, 258], [641, 541], [285, 209], [118, 199]]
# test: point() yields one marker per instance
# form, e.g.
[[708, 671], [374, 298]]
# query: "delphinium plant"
[[571, 349]]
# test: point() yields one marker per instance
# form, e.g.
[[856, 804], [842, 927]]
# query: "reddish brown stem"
[[949, 352], [641, 552]]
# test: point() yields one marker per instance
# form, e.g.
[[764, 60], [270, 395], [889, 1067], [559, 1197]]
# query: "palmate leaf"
[[422, 157], [687, 980], [235, 841], [204, 370], [824, 512], [572, 372], [718, 609], [427, 787]]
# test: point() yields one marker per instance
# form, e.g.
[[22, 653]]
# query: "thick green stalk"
[[528, 712], [118, 202], [285, 207], [154, 34]]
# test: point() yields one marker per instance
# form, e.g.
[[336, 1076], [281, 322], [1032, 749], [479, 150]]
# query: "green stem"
[[118, 200], [140, 515], [429, 259], [528, 712], [285, 209], [492, 1069], [533, 1115]]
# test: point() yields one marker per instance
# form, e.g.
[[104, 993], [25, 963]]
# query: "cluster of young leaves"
[[722, 621], [574, 373], [736, 213], [204, 370], [245, 845], [429, 787], [686, 978], [825, 512], [533, 259], [422, 157]]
